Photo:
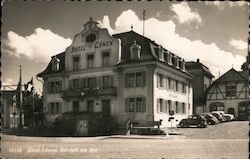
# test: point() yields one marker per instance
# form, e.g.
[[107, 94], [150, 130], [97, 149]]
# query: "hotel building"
[[126, 76]]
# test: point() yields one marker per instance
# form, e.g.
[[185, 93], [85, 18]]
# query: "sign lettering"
[[97, 45], [100, 44]]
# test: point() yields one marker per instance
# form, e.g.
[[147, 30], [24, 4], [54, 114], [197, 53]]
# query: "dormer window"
[[173, 60], [90, 38], [135, 51], [160, 53], [55, 63], [177, 62], [170, 58]]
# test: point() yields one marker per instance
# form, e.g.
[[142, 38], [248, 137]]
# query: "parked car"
[[197, 120], [211, 120], [218, 116], [228, 117]]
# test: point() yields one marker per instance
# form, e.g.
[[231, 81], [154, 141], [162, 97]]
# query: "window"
[[55, 86], [106, 81], [135, 51], [131, 80], [135, 79], [184, 108], [184, 88], [76, 63], [131, 104], [55, 63], [139, 79], [167, 83], [90, 106], [75, 106], [52, 108], [90, 38], [136, 104], [170, 107], [55, 108], [90, 61], [160, 105], [177, 86], [173, 85], [105, 59], [159, 53], [170, 59], [160, 80], [139, 105], [230, 89], [177, 107], [91, 83], [76, 83]]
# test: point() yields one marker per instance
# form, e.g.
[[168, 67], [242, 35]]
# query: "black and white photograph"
[[125, 79]]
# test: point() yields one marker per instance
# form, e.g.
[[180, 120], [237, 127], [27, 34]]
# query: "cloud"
[[238, 44], [222, 4], [8, 81], [164, 33], [184, 14], [39, 46], [106, 23]]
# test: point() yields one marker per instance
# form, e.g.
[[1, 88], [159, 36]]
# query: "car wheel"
[[182, 125], [199, 125]]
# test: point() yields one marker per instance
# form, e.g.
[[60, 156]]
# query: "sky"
[[215, 32]]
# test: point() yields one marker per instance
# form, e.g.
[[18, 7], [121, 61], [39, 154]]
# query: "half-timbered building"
[[230, 93]]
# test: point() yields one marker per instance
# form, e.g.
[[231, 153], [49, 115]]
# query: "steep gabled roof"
[[231, 75], [197, 65], [48, 69]]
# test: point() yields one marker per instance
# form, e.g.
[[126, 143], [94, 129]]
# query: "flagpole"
[[144, 22]]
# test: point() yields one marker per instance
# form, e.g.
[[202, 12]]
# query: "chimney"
[[198, 60]]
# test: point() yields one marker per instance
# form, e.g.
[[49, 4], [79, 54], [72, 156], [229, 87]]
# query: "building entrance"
[[106, 108]]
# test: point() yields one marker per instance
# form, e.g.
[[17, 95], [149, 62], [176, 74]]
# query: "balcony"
[[89, 92]]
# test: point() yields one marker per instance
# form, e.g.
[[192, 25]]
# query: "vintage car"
[[211, 120], [227, 117], [194, 120], [219, 116]]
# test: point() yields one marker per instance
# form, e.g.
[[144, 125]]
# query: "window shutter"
[[94, 82], [49, 108], [83, 82], [126, 104], [60, 108], [126, 80], [158, 105], [70, 84], [166, 106], [144, 78], [99, 81], [111, 78], [164, 81], [60, 85], [157, 80], [143, 104]]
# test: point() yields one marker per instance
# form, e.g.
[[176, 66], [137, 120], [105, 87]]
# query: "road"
[[180, 147]]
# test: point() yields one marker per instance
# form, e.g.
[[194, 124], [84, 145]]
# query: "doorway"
[[106, 108], [82, 128], [231, 111]]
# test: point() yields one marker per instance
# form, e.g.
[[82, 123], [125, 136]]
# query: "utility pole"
[[20, 99]]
